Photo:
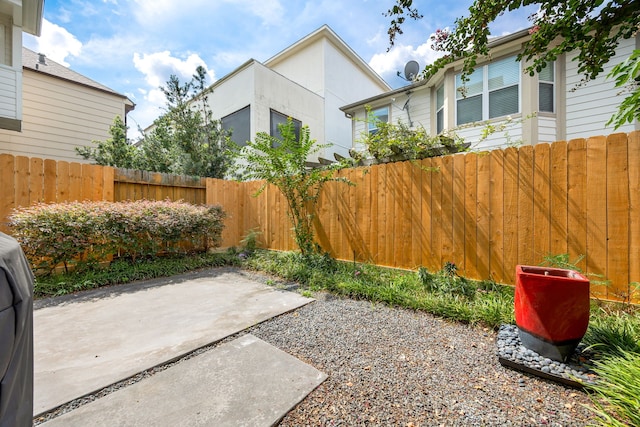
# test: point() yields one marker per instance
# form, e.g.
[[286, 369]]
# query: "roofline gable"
[[58, 71], [326, 32]]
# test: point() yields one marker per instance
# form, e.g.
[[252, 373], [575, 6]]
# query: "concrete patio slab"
[[83, 344], [245, 382]]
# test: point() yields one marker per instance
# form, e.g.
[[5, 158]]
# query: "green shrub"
[[84, 233], [616, 394]]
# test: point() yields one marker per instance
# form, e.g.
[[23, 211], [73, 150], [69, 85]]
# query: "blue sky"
[[133, 46]]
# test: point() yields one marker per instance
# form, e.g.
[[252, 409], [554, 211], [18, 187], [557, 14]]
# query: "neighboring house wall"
[[589, 107], [263, 90], [324, 64], [60, 115], [577, 112]]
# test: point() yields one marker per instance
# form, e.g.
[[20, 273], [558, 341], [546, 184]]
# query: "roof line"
[[497, 41], [341, 44]]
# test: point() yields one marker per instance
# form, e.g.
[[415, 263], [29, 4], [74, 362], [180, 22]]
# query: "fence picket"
[[596, 189], [617, 214]]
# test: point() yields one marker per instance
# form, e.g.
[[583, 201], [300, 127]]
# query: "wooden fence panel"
[[364, 213], [21, 176], [470, 215], [389, 203], [496, 216], [634, 209], [404, 254], [541, 201], [482, 216], [50, 180], [525, 206], [510, 213], [558, 205], [436, 214], [458, 201], [426, 234], [36, 180], [596, 189], [617, 214], [446, 241], [486, 212], [577, 201], [7, 190]]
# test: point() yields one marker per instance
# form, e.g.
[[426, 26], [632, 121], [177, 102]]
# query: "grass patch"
[[443, 293], [616, 397], [125, 271]]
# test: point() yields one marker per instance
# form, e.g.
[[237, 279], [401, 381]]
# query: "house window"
[[376, 116], [546, 88], [281, 119], [239, 124], [440, 109], [492, 91]]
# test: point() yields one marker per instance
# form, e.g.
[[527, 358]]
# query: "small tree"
[[191, 138], [115, 151], [282, 162], [186, 140]]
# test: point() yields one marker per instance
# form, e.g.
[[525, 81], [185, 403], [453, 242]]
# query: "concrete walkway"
[[87, 342]]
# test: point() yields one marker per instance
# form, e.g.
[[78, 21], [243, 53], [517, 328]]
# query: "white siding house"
[[308, 81], [62, 110], [547, 107], [16, 16]]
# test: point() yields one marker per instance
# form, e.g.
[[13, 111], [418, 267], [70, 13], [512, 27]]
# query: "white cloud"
[[55, 42], [158, 67], [389, 63]]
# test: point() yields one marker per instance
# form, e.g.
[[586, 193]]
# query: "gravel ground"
[[398, 367]]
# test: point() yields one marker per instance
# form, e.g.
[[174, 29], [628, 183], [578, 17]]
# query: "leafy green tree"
[[115, 151], [592, 28], [158, 152], [185, 140], [282, 162], [627, 76], [193, 141]]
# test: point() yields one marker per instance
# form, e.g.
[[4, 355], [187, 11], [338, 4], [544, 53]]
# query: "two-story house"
[[550, 106]]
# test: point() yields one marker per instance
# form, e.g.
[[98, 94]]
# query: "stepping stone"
[[87, 342], [245, 382]]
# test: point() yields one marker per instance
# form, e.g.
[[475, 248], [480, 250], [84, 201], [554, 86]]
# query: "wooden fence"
[[486, 212]]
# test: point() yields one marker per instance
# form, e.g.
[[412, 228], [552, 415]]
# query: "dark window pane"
[[379, 115], [440, 120], [546, 97], [239, 123], [281, 119], [503, 102], [440, 97], [469, 110]]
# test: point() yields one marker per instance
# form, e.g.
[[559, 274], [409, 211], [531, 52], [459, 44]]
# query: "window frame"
[[440, 110], [552, 83], [485, 93], [372, 128], [248, 108], [275, 132]]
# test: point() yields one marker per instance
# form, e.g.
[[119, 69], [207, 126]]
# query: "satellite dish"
[[411, 70]]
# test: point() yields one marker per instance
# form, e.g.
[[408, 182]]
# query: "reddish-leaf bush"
[[82, 233]]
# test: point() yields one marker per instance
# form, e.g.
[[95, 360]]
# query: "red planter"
[[552, 309]]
